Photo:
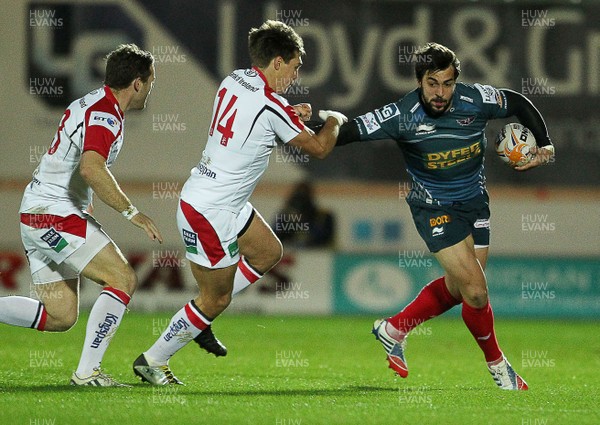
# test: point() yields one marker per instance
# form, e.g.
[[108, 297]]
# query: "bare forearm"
[[96, 174], [327, 137], [321, 144], [106, 188]]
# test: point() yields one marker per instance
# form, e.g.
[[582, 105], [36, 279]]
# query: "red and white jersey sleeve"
[[93, 122], [248, 117]]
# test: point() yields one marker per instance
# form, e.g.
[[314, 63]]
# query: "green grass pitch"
[[292, 370]]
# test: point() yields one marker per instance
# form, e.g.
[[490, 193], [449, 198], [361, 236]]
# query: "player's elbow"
[[319, 152], [320, 155], [90, 165], [86, 172]]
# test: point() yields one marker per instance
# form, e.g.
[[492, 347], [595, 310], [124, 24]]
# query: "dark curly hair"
[[435, 57], [126, 63]]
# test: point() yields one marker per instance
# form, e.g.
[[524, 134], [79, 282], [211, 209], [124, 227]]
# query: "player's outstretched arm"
[[96, 174], [322, 143], [528, 115], [349, 132]]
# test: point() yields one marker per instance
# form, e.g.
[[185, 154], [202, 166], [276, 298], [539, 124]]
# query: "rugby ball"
[[514, 143]]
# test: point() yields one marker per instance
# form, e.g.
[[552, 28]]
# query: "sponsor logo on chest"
[[424, 129], [452, 157]]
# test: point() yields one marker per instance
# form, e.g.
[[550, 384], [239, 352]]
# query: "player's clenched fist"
[[303, 110], [341, 118]]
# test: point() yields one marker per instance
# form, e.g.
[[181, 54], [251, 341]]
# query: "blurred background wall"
[[545, 254]]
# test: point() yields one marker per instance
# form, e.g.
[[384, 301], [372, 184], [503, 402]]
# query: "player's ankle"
[[152, 361], [497, 361], [394, 332]]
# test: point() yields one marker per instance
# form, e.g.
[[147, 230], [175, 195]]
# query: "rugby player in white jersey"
[[62, 240], [228, 243]]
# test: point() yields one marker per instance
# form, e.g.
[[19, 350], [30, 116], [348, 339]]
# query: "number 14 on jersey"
[[228, 116]]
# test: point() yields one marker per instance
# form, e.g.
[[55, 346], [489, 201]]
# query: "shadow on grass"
[[349, 390]]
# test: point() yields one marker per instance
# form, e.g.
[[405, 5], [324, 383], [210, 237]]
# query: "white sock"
[[22, 311], [105, 317], [185, 325], [245, 275]]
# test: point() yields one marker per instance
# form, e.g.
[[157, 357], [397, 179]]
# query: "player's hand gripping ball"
[[514, 143]]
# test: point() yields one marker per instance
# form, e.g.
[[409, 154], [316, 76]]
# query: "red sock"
[[480, 322], [433, 300]]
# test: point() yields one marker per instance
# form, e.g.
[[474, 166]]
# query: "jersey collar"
[[262, 77], [111, 97]]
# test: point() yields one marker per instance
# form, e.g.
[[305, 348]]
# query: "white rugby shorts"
[[210, 234], [59, 248]]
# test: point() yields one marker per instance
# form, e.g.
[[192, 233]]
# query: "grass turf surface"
[[291, 370]]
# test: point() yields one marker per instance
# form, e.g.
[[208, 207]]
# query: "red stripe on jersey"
[[287, 109], [195, 318], [71, 224], [98, 138], [124, 297], [211, 244], [247, 271]]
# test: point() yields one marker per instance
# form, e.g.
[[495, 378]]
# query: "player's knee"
[[275, 253], [221, 302], [477, 298], [473, 289], [124, 279], [217, 303], [132, 282]]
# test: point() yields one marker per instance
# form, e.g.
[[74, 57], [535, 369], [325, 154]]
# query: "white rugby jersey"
[[247, 117], [94, 122]]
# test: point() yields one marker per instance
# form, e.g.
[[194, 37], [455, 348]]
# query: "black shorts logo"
[[439, 220], [437, 224]]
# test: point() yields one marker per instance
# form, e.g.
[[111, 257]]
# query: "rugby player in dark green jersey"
[[440, 127]]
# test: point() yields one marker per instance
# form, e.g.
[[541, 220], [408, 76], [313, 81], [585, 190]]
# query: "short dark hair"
[[435, 57], [272, 39], [126, 63]]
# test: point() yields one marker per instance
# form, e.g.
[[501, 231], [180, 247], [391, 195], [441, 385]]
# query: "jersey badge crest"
[[466, 121]]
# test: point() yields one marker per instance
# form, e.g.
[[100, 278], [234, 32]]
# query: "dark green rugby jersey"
[[444, 155]]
